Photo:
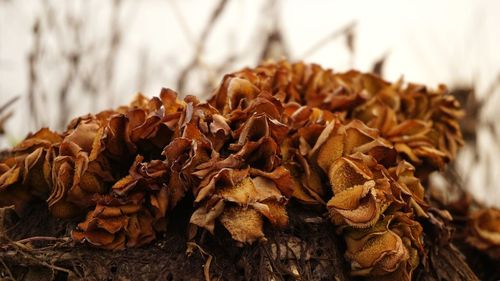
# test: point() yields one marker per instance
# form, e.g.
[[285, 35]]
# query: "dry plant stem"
[[206, 266], [200, 45], [33, 83], [7, 269], [113, 49], [9, 103], [274, 44], [344, 31], [41, 238]]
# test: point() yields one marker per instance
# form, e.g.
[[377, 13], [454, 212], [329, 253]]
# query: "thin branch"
[[8, 104], [274, 45], [200, 46], [40, 238], [490, 91], [186, 31], [378, 65], [344, 31], [33, 58], [7, 269]]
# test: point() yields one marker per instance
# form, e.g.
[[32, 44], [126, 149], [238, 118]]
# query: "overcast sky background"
[[454, 42]]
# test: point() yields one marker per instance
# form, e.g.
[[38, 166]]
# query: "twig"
[[378, 65], [33, 74], [40, 238], [7, 269], [334, 35], [114, 44], [490, 91], [274, 46], [8, 103], [206, 267], [200, 46], [182, 22]]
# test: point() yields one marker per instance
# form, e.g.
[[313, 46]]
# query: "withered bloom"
[[240, 203], [484, 231]]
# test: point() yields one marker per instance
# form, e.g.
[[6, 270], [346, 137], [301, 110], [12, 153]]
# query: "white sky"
[[431, 42]]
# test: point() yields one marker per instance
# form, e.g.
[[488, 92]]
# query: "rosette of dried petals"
[[407, 190], [144, 127], [389, 250], [277, 131], [116, 223], [484, 231], [240, 201], [361, 188], [27, 173]]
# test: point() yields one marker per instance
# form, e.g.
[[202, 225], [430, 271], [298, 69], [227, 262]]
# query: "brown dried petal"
[[205, 215], [244, 224], [358, 206]]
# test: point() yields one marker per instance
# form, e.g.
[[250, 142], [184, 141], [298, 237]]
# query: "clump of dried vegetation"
[[349, 143], [288, 172]]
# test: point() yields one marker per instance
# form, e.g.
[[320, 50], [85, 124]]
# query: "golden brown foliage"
[[350, 142]]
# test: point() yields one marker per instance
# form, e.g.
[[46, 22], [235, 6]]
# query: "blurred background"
[[60, 59]]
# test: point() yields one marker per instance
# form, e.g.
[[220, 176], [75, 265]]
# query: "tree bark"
[[307, 250]]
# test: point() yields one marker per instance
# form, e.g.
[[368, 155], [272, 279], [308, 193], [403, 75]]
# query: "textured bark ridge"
[[305, 251], [288, 172]]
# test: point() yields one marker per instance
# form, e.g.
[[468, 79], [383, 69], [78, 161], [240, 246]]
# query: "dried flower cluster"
[[349, 141]]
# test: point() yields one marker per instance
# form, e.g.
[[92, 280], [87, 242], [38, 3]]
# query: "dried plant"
[[267, 136]]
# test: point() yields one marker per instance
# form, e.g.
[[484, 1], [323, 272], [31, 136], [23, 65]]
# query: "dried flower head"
[[389, 250], [484, 231]]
